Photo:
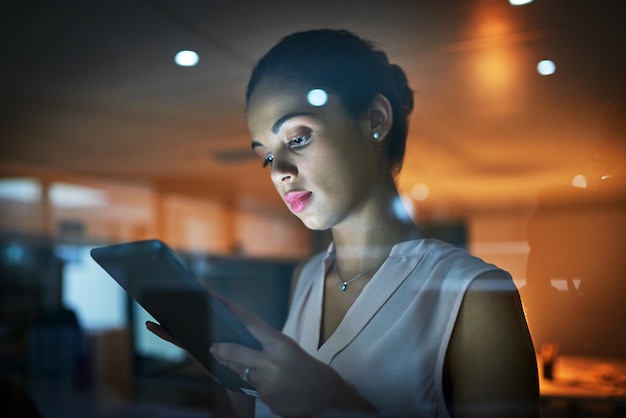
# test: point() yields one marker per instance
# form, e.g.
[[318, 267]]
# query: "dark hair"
[[345, 65]]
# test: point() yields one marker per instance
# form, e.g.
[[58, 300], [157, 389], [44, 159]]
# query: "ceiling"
[[90, 87]]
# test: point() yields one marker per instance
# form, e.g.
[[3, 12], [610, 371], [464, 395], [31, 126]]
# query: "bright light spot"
[[72, 196], [403, 208], [23, 190], [546, 67], [519, 2], [420, 191], [559, 284], [186, 58], [580, 181], [317, 97], [565, 285]]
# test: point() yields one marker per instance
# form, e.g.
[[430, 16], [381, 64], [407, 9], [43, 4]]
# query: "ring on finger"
[[246, 374]]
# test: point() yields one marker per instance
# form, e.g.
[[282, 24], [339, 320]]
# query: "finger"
[[246, 374], [237, 357], [160, 332]]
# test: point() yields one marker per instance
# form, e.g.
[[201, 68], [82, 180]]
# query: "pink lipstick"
[[298, 200]]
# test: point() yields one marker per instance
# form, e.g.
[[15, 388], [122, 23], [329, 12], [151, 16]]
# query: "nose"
[[283, 171]]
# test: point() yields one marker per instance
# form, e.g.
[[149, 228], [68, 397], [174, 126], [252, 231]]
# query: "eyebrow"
[[280, 121]]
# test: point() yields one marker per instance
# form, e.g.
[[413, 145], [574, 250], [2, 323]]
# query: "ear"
[[380, 115]]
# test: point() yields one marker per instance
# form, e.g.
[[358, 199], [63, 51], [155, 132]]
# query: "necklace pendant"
[[343, 287]]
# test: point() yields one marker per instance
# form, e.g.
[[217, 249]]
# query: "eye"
[[268, 161], [299, 141]]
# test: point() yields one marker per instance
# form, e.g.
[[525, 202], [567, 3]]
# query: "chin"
[[312, 226], [313, 223]]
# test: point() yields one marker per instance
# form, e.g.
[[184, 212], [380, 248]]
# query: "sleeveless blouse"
[[392, 343]]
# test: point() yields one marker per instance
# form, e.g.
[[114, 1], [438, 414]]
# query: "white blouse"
[[391, 345]]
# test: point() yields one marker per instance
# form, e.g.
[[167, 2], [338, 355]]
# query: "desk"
[[585, 386]]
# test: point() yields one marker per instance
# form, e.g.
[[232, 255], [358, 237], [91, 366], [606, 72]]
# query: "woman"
[[387, 322]]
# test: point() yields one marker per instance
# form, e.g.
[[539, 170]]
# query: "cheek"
[[338, 180], [345, 166], [326, 170]]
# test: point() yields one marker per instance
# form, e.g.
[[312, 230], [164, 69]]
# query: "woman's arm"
[[491, 362]]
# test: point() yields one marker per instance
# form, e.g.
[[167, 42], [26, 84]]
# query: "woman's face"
[[321, 160]]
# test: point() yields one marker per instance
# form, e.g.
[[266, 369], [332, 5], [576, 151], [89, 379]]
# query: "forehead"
[[274, 99]]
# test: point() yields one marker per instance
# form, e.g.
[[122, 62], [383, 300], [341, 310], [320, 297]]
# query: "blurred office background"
[[517, 151]]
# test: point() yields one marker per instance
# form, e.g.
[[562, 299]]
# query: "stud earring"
[[376, 135]]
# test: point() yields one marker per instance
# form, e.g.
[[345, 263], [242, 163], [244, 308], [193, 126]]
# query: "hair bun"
[[401, 85]]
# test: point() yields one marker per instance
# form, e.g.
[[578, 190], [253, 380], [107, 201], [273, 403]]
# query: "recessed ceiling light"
[[520, 2], [546, 67], [186, 58]]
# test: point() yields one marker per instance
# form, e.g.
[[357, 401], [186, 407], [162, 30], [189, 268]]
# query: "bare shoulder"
[[491, 361]]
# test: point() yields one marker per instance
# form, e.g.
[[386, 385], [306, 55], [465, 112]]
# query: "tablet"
[[151, 273]]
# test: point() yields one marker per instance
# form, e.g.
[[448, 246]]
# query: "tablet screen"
[[153, 275]]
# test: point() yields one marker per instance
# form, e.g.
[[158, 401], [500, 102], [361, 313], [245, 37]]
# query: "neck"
[[366, 238]]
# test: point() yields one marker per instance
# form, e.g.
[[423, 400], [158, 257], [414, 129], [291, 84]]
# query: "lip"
[[298, 200]]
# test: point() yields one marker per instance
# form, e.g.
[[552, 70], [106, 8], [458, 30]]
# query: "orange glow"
[[494, 56], [494, 69], [493, 26]]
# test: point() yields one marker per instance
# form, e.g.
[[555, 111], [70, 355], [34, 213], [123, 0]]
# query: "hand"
[[290, 381]]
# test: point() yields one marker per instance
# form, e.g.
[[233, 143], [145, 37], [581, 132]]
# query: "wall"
[[87, 210], [568, 262]]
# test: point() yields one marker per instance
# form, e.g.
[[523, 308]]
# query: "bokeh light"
[[546, 67], [317, 97], [186, 58]]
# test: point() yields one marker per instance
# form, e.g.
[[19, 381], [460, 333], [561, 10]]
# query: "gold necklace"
[[345, 283]]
